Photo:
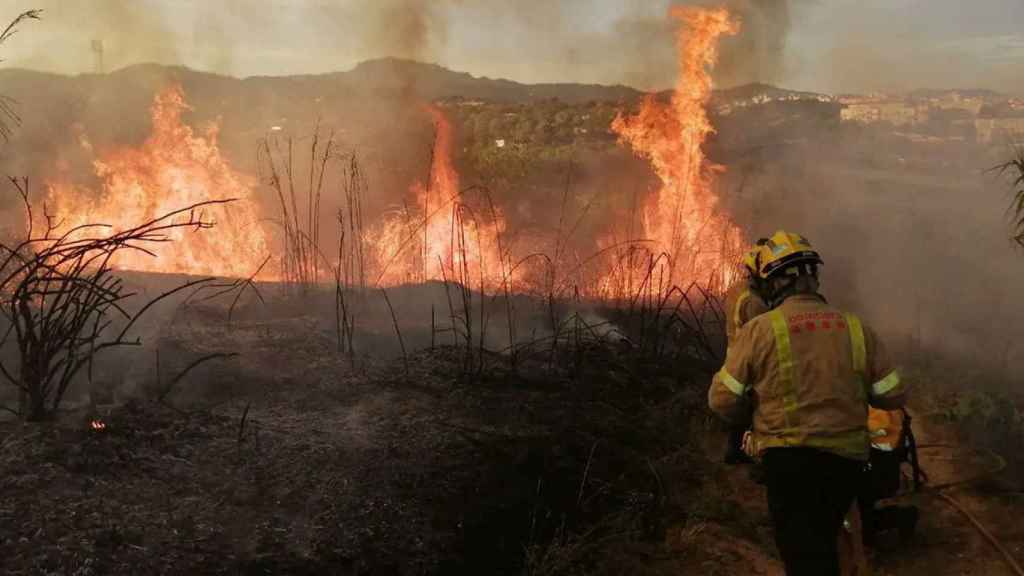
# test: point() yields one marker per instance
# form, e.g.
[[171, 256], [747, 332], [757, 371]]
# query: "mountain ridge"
[[397, 77]]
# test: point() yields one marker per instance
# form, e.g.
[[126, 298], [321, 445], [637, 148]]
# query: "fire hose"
[[984, 532], [1000, 465], [940, 490]]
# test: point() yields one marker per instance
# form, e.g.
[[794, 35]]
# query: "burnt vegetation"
[[9, 118], [553, 456], [62, 303], [536, 432], [466, 424], [1014, 168], [531, 432], [452, 426]]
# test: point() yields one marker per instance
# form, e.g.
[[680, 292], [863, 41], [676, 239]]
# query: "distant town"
[[924, 115]]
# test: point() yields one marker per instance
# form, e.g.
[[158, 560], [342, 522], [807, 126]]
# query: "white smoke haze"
[[275, 37], [808, 44]]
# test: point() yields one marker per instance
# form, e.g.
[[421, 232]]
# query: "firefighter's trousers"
[[809, 492]]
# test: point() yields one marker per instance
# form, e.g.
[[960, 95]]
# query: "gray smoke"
[[132, 31], [757, 53], [527, 40]]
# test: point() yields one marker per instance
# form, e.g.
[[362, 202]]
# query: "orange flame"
[[442, 237], [440, 234], [98, 425], [682, 219], [173, 169]]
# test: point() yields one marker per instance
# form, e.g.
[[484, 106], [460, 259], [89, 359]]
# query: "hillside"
[[520, 434], [386, 77], [69, 120]]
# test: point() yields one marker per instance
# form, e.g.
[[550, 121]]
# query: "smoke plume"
[[529, 40], [757, 54], [131, 32]]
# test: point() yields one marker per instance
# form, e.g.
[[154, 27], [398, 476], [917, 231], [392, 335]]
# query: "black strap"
[[910, 444]]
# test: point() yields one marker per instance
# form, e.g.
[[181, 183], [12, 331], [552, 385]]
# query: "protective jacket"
[[741, 305], [810, 372]]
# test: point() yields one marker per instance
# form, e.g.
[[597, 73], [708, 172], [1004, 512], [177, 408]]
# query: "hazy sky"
[[824, 45]]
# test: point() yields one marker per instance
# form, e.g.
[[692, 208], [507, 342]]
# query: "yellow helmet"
[[787, 253], [750, 256]]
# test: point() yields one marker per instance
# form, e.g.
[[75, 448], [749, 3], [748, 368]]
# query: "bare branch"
[[1015, 169], [58, 291]]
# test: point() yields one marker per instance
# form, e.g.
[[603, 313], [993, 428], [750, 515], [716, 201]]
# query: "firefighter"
[[743, 302], [809, 372]]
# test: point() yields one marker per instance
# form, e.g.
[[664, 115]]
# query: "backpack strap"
[[909, 444]]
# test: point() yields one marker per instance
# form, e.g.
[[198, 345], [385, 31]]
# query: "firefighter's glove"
[[749, 445]]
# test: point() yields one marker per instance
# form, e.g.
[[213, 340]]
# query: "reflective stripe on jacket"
[[811, 372], [741, 306]]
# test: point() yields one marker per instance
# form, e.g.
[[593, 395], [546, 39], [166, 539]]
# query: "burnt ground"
[[294, 459]]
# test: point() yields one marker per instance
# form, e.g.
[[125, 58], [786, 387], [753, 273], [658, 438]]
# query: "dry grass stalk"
[[300, 223], [398, 331], [350, 271], [8, 115], [1015, 169]]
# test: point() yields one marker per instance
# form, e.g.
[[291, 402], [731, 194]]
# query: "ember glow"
[[444, 237], [682, 219], [173, 169]]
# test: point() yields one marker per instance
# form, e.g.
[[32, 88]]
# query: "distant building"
[[872, 109], [768, 95], [955, 101], [995, 129], [865, 113], [897, 113]]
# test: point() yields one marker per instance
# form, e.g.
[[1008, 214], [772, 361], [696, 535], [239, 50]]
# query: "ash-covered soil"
[[294, 459]]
